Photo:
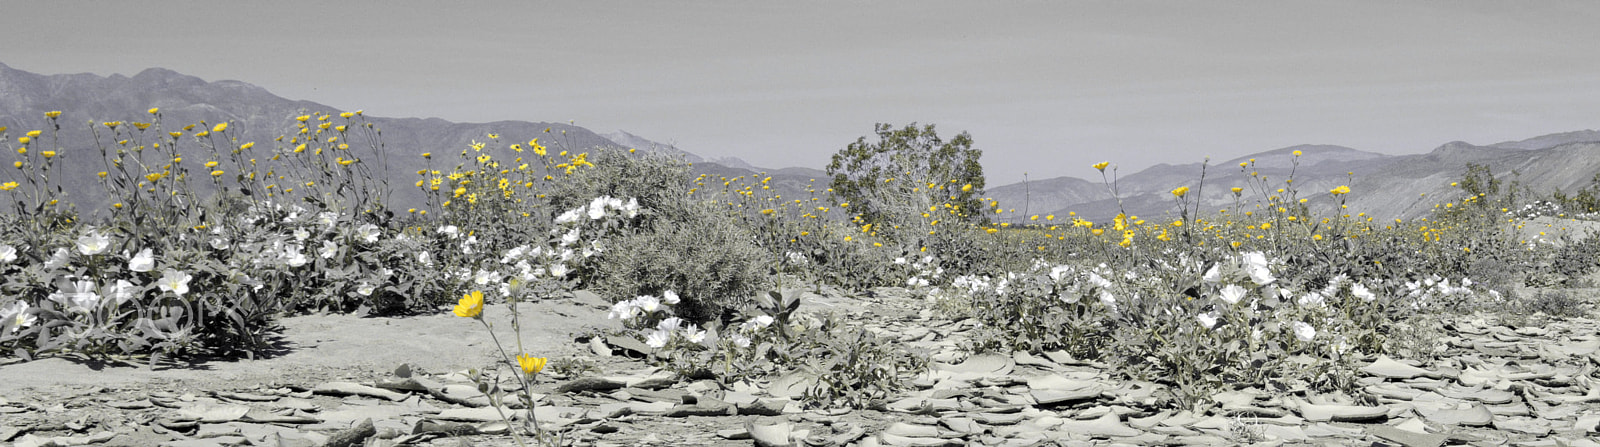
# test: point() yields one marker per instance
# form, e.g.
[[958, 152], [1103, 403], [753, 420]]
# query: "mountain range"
[[1382, 185]]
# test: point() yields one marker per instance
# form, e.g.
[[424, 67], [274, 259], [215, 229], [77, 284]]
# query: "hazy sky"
[[1043, 87]]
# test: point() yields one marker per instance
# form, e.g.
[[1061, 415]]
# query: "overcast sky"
[[1045, 88]]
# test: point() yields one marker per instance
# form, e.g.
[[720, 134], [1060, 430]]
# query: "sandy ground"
[[323, 346]]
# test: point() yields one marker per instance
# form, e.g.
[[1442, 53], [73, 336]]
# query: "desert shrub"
[[1575, 258], [707, 259], [1556, 304], [905, 171], [840, 363]]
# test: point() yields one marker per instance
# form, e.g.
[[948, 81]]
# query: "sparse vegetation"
[[709, 272]]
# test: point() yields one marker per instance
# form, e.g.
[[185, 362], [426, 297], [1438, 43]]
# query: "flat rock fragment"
[[356, 389], [1106, 426]]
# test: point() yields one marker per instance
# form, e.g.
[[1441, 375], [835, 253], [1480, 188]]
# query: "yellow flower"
[[247, 146], [991, 230], [346, 115], [48, 154], [153, 176], [471, 305], [53, 114], [103, 174], [1297, 153], [966, 188], [24, 140], [220, 127], [112, 124], [1340, 190], [211, 164], [302, 118], [427, 155], [154, 110], [22, 150], [7, 186], [1180, 191], [530, 364], [217, 173], [1101, 166]]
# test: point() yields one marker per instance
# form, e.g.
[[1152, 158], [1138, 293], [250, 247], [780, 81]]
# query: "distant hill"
[[259, 116], [1384, 186]]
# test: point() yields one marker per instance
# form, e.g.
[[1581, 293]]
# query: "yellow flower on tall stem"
[[531, 365], [471, 305]]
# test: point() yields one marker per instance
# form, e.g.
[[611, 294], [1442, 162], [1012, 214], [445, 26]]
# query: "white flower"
[[7, 254], [670, 324], [144, 261], [647, 303], [368, 233], [1058, 272], [657, 339], [483, 277], [58, 259], [1304, 331], [365, 288], [1360, 291], [79, 296], [1098, 281], [1256, 265], [93, 243], [466, 246], [570, 238], [17, 313], [450, 231], [513, 254], [174, 281], [694, 334], [558, 270], [624, 310], [1212, 275], [568, 217], [327, 218], [1207, 320], [900, 261], [328, 250], [1311, 299], [1108, 299], [219, 243], [669, 297], [740, 340], [597, 208], [613, 203], [293, 257], [631, 209], [1232, 294], [424, 258], [762, 321], [301, 234], [120, 292]]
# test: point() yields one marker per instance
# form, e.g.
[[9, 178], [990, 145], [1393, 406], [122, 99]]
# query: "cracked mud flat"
[[335, 380]]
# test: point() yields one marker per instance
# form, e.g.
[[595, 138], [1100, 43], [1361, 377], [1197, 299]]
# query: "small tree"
[[896, 179]]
